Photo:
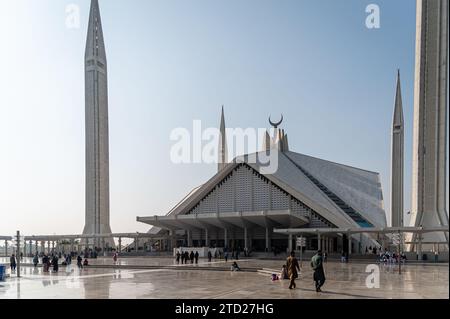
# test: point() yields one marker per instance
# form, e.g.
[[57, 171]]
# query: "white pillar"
[[419, 247], [6, 248], [319, 242], [225, 239], [349, 244], [206, 238], [245, 237], [290, 243], [189, 232]]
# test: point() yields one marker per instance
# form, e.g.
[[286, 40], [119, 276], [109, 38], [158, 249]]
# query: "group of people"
[[388, 257], [186, 257], [50, 261], [371, 250], [291, 270]]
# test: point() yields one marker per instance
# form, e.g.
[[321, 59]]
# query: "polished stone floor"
[[343, 281]]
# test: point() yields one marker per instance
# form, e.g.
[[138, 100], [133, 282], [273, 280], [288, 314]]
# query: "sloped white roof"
[[358, 188], [361, 189]]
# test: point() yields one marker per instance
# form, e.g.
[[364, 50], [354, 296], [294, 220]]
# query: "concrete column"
[[349, 244], [225, 237], [189, 233], [245, 237], [267, 239], [103, 244], [419, 247], [319, 242], [6, 248], [36, 246], [206, 238], [360, 247], [290, 243], [72, 244], [136, 245], [48, 247], [42, 246], [31, 248], [120, 244]]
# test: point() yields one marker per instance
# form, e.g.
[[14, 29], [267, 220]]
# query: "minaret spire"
[[95, 43], [397, 168], [223, 150], [430, 137], [97, 132]]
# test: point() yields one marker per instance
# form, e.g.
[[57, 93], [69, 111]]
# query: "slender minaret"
[[397, 163], [97, 144], [223, 151], [428, 207]]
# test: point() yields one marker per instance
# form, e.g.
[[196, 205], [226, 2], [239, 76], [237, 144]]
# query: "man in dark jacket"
[[55, 263], [196, 257], [317, 266], [12, 262], [192, 256], [209, 256]]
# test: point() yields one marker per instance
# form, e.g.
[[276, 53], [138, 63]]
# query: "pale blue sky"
[[174, 61]]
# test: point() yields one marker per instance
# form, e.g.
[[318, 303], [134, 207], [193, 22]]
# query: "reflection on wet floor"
[[343, 281]]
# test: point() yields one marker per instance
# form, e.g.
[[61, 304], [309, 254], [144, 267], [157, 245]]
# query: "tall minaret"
[[430, 119], [97, 143], [223, 150], [397, 163]]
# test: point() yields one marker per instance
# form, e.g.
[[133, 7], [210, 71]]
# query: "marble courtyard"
[[160, 278]]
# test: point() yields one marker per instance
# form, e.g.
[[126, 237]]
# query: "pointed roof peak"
[[398, 106], [95, 44]]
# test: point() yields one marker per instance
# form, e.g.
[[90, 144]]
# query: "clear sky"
[[174, 61]]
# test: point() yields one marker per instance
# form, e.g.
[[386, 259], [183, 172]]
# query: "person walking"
[[79, 261], [178, 255], [192, 256], [292, 268], [35, 260], [319, 274], [196, 257], [55, 263], [45, 262], [209, 256], [115, 257], [225, 256], [13, 263]]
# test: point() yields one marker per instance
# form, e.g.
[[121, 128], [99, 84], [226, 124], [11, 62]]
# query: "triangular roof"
[[360, 189]]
